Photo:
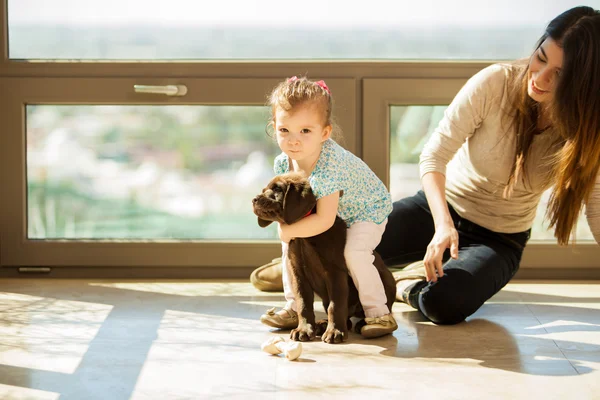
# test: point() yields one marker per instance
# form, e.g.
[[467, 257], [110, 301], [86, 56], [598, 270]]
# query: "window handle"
[[169, 90]]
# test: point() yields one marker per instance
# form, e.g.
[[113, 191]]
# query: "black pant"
[[486, 261]]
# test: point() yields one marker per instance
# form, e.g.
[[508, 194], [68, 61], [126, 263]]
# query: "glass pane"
[[271, 29], [410, 127], [540, 229], [146, 172]]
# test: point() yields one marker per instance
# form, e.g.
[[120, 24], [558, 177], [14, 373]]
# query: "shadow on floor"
[[110, 369]]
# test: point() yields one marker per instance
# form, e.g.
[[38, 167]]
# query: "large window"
[[97, 174], [272, 29], [102, 173]]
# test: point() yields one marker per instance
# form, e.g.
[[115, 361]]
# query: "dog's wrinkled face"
[[287, 198]]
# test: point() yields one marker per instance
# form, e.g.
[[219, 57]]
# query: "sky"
[[278, 13]]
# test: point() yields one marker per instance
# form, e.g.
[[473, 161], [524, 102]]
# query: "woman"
[[516, 130], [513, 131]]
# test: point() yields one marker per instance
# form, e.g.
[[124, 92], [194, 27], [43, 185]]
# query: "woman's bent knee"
[[439, 309], [449, 300]]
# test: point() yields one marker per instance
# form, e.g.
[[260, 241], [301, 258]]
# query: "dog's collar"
[[309, 212]]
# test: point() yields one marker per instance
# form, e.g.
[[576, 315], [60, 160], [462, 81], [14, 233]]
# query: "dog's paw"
[[333, 335], [303, 333]]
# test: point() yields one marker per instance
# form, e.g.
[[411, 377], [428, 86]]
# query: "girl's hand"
[[283, 229], [445, 237]]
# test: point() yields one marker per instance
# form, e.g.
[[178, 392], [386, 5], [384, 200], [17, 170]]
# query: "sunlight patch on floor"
[[20, 393], [45, 333]]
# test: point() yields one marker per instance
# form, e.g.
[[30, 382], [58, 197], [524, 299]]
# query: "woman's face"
[[544, 70]]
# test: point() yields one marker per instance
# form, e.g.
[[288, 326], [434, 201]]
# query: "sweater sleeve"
[[462, 118], [592, 210]]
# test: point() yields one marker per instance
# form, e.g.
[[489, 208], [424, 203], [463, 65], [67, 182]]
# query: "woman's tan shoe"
[[415, 270], [268, 277], [407, 277], [283, 319]]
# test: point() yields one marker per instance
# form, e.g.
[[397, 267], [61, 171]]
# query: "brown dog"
[[317, 262]]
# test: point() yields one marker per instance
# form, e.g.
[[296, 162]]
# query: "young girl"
[[343, 185]]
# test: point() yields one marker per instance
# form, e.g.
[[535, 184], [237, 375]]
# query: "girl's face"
[[544, 70], [300, 132]]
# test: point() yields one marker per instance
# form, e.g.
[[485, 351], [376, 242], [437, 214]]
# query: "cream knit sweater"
[[474, 147]]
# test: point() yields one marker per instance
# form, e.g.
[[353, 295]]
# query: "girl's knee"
[[355, 255]]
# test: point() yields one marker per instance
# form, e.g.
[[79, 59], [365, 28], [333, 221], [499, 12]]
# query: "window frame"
[[18, 249]]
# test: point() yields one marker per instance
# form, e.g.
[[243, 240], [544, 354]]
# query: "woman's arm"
[[461, 120], [314, 224], [446, 236]]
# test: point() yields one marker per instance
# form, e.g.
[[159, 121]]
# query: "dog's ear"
[[298, 201], [263, 222]]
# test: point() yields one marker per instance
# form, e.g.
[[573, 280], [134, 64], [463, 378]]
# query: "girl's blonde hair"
[[297, 91]]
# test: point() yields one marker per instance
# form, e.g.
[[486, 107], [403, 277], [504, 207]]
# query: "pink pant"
[[362, 239]]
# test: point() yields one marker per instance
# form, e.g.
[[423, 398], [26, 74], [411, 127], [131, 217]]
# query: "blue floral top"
[[364, 196]]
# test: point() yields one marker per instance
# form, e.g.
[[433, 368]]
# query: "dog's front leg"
[[337, 312], [306, 317], [304, 296]]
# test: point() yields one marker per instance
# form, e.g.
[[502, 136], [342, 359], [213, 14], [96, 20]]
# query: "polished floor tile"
[[77, 339]]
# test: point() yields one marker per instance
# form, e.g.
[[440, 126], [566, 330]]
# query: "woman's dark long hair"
[[575, 113]]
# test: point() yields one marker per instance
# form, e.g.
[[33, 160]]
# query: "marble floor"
[[84, 339]]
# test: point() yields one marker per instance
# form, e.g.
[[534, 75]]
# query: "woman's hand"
[[445, 237], [283, 230]]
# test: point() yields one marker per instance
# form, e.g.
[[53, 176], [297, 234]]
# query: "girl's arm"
[[314, 224]]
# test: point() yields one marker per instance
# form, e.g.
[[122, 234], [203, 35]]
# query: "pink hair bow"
[[323, 85], [293, 79]]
